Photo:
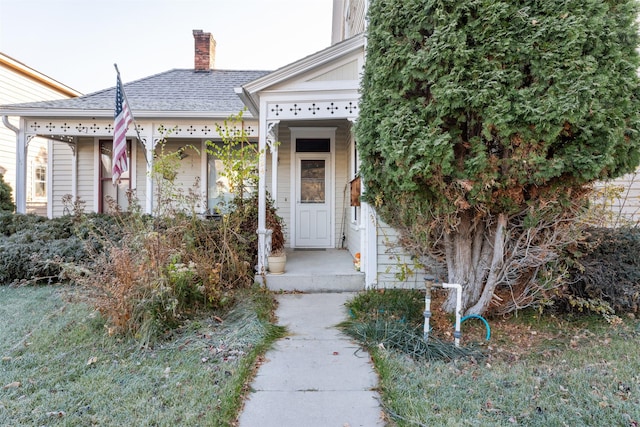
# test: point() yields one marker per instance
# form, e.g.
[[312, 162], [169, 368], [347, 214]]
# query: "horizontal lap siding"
[[283, 202], [189, 169], [341, 191], [627, 205], [87, 173], [397, 268], [17, 88], [141, 174], [61, 176], [352, 228], [8, 155]]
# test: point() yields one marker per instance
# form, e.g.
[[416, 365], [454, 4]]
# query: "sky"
[[76, 42]]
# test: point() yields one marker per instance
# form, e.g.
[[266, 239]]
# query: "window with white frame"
[[218, 188], [219, 191], [40, 181]]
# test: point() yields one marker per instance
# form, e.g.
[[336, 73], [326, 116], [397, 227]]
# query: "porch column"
[[369, 244], [149, 145], [272, 142], [74, 170], [21, 164], [21, 168], [262, 198]]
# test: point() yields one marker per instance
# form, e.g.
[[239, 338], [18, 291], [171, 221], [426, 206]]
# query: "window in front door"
[[312, 181]]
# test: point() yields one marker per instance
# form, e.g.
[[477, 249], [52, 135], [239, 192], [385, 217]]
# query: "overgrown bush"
[[11, 223], [163, 270], [33, 249], [605, 272]]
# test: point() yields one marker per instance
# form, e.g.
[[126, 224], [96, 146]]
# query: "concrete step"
[[330, 270], [328, 282]]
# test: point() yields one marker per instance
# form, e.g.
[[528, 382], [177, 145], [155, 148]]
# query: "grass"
[[536, 371], [60, 367]]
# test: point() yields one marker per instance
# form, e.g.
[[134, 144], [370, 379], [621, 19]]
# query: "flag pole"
[[133, 117]]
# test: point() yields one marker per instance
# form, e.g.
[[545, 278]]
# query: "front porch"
[[324, 270]]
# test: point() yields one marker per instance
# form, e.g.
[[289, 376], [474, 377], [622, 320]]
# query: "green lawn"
[[60, 367], [535, 371]]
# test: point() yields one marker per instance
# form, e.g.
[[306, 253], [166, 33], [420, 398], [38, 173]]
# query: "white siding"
[[88, 174], [625, 205], [348, 71], [61, 176], [353, 214], [349, 19], [16, 87], [283, 198], [342, 179], [188, 171], [396, 268], [141, 174]]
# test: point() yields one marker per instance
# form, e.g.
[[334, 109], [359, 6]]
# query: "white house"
[[300, 115], [21, 83], [308, 107]]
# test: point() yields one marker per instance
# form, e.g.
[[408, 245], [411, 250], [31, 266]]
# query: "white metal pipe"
[[427, 312], [456, 334]]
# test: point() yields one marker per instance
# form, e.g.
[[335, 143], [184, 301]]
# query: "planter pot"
[[276, 264]]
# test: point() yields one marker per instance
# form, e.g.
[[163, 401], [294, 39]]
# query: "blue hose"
[[477, 316]]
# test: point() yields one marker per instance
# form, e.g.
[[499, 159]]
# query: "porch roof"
[[175, 93]]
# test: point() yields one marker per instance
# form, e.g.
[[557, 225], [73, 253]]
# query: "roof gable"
[[336, 68]]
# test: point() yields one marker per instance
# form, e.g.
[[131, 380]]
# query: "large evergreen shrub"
[[6, 201], [482, 121]]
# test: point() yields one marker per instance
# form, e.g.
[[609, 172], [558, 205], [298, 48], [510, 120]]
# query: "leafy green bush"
[[605, 272]]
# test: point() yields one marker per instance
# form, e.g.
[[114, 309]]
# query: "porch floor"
[[329, 270]]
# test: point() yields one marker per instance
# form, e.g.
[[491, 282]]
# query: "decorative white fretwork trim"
[[56, 129], [272, 135], [312, 110]]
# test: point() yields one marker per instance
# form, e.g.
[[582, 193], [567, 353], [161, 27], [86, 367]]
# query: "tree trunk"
[[474, 258], [496, 265]]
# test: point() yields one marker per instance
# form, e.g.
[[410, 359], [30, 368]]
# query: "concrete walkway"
[[316, 376]]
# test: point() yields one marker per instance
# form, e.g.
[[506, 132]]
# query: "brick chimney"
[[205, 51]]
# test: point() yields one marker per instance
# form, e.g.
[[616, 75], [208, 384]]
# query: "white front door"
[[313, 200]]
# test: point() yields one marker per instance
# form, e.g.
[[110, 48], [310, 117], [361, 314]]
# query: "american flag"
[[122, 119]]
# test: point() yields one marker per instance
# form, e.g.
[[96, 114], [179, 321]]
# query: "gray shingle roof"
[[175, 90]]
